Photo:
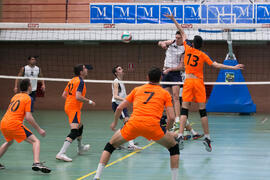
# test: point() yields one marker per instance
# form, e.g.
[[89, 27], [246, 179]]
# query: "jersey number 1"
[[151, 95]]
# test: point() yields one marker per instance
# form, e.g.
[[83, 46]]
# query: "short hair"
[[154, 75], [77, 69], [197, 41], [178, 32], [24, 84], [114, 69], [30, 57]]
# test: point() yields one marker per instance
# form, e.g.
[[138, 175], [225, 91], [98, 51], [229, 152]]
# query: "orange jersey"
[[74, 85], [19, 105], [149, 101], [194, 60]]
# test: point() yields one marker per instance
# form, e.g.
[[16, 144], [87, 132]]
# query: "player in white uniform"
[[31, 70], [173, 64], [118, 95]]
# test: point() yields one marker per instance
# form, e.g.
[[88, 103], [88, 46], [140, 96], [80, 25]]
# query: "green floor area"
[[240, 151]]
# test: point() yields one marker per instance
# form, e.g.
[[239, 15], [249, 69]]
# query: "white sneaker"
[[63, 157], [134, 148], [83, 148]]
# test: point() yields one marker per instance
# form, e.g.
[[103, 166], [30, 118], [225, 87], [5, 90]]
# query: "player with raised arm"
[[74, 94], [12, 126], [149, 101], [118, 95], [194, 89], [31, 71]]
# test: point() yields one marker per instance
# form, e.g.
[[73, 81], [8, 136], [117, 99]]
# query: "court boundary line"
[[118, 160]]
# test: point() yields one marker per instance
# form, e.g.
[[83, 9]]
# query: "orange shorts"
[[74, 116], [194, 91], [19, 133], [142, 126]]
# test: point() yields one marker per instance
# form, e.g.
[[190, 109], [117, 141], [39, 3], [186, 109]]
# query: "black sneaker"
[[207, 144], [197, 136], [2, 166], [180, 141], [40, 167]]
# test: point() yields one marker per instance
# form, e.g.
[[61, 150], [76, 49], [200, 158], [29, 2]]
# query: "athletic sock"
[[179, 135], [79, 143], [99, 170], [193, 132], [131, 143], [207, 136], [174, 173], [64, 147], [177, 119]]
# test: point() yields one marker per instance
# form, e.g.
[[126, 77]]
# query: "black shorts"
[[172, 76], [124, 113], [33, 97]]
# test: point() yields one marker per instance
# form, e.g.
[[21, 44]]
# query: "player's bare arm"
[[170, 117], [165, 44], [64, 94], [117, 113], [115, 92], [42, 81], [222, 66], [33, 123], [16, 80], [179, 27], [81, 98]]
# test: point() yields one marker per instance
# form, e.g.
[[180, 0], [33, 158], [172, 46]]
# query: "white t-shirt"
[[32, 72], [121, 93], [173, 54]]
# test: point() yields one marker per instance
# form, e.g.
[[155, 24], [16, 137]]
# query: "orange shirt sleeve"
[[208, 60], [168, 99], [130, 97]]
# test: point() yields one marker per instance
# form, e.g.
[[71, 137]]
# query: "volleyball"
[[126, 37]]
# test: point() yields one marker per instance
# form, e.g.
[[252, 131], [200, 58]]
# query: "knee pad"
[[80, 131], [174, 150], [73, 134], [203, 112], [109, 147], [184, 112]]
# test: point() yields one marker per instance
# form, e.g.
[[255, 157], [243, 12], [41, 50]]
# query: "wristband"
[[90, 102]]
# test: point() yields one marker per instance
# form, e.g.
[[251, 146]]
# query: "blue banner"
[[263, 13], [184, 13]]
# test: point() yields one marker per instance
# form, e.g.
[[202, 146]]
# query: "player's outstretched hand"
[[113, 125], [168, 16], [93, 103], [42, 132], [239, 66]]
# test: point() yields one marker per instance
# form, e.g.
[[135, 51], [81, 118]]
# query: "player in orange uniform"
[[148, 101], [74, 94], [12, 126], [194, 89]]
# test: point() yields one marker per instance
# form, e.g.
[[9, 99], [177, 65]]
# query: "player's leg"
[[183, 119], [74, 133], [33, 97], [3, 149], [81, 147], [116, 140], [169, 142], [37, 165], [176, 103]]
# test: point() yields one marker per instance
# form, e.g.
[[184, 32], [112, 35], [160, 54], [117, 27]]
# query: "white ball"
[[126, 37]]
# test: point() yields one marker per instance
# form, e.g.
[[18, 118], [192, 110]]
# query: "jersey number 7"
[[151, 95]]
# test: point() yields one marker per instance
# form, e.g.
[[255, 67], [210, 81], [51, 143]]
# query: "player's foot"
[[207, 144], [40, 167], [2, 166], [63, 157], [187, 137], [197, 136], [180, 141], [96, 179], [83, 148], [134, 148]]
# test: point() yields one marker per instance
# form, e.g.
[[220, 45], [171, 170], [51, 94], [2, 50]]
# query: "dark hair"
[[178, 32], [24, 84], [114, 69], [154, 75], [197, 41], [30, 57], [77, 69]]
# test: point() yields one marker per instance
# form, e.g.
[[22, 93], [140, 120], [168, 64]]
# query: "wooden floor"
[[241, 150]]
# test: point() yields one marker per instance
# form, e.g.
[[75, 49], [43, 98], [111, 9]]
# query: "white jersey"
[[173, 55], [121, 91], [32, 72]]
